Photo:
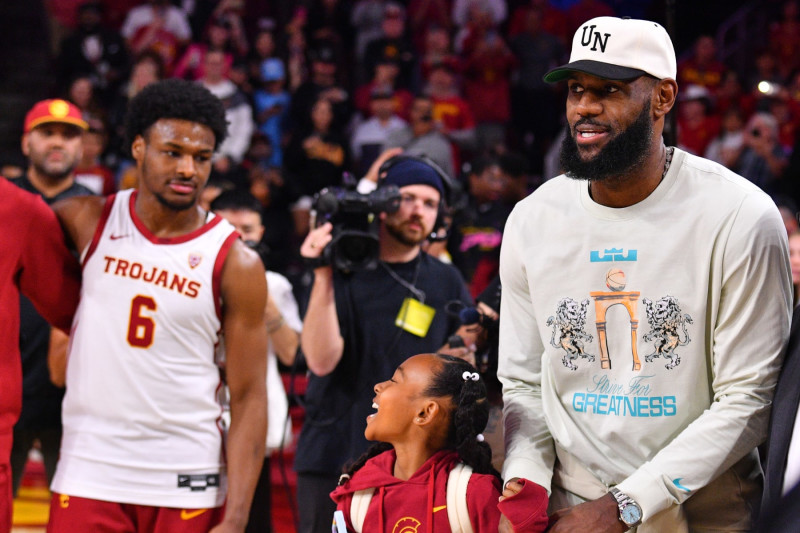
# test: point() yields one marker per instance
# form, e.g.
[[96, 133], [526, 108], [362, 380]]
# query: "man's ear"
[[664, 95], [24, 145], [137, 148]]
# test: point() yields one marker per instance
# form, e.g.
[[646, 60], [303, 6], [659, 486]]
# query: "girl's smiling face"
[[400, 402]]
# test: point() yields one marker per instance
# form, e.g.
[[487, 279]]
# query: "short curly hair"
[[179, 99]]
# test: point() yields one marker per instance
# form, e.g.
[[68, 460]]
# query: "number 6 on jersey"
[[141, 327]]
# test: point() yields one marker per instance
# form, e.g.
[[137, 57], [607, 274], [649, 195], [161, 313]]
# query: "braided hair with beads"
[[458, 380]]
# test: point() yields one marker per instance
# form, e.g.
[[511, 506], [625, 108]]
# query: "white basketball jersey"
[[141, 412]]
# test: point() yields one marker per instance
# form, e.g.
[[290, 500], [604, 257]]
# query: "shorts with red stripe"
[[72, 514]]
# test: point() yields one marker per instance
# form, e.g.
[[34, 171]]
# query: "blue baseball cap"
[[272, 70]]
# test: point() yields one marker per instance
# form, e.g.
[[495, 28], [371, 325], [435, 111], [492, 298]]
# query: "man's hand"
[[316, 241], [227, 527], [596, 516], [455, 346]]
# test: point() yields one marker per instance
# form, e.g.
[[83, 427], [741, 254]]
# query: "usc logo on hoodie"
[[406, 524]]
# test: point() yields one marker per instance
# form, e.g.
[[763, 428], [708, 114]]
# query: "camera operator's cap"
[[54, 111], [619, 49], [413, 172]]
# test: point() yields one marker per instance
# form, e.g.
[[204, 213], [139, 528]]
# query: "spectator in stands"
[[477, 231], [82, 93], [267, 185], [366, 19], [438, 49], [788, 211], [272, 107], [516, 175], [238, 112], [765, 68], [794, 259], [370, 136], [264, 47], [787, 113], [329, 20], [297, 62], [91, 172], [702, 67], [157, 25], [697, 124], [424, 15], [534, 104], [452, 114], [322, 83], [583, 10], [384, 79], [93, 50], [421, 137], [487, 71], [283, 324], [727, 145], [784, 38], [393, 44], [466, 10], [732, 94], [191, 64], [147, 68], [554, 21], [762, 159], [314, 159]]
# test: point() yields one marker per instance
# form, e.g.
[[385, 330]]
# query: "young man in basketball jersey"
[[164, 283]]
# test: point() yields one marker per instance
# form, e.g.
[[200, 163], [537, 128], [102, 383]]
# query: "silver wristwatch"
[[630, 513]]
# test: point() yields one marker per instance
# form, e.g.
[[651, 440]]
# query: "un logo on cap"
[[594, 38]]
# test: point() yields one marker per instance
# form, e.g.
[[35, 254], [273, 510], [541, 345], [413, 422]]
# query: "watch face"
[[631, 514]]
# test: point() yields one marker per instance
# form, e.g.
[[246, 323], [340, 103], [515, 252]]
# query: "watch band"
[[630, 517], [622, 498]]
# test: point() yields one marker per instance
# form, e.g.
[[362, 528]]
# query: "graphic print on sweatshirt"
[[668, 326]]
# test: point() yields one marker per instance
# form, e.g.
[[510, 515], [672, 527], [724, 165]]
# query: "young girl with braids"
[[428, 419]]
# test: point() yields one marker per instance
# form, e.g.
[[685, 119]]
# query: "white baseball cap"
[[619, 49]]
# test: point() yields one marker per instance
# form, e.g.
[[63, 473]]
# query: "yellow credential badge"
[[415, 317]]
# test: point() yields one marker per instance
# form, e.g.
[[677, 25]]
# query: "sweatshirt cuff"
[[526, 469], [526, 510], [648, 490]]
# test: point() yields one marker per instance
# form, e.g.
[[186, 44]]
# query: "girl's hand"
[[512, 488]]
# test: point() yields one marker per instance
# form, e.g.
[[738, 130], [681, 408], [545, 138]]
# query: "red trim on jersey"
[[168, 240], [216, 276], [101, 224]]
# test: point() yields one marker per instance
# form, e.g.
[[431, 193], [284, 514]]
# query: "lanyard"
[[418, 294]]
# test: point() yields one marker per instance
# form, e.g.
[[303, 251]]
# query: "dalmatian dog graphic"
[[568, 331], [666, 321]]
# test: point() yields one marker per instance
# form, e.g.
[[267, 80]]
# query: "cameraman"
[[360, 325]]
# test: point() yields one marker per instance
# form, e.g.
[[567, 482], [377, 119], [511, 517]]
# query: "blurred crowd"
[[317, 90]]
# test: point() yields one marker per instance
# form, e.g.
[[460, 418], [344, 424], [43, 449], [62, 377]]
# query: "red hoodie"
[[419, 504]]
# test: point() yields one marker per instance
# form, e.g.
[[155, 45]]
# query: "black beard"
[[397, 233], [623, 153]]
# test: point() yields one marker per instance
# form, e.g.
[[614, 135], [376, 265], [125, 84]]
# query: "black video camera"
[[354, 244]]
